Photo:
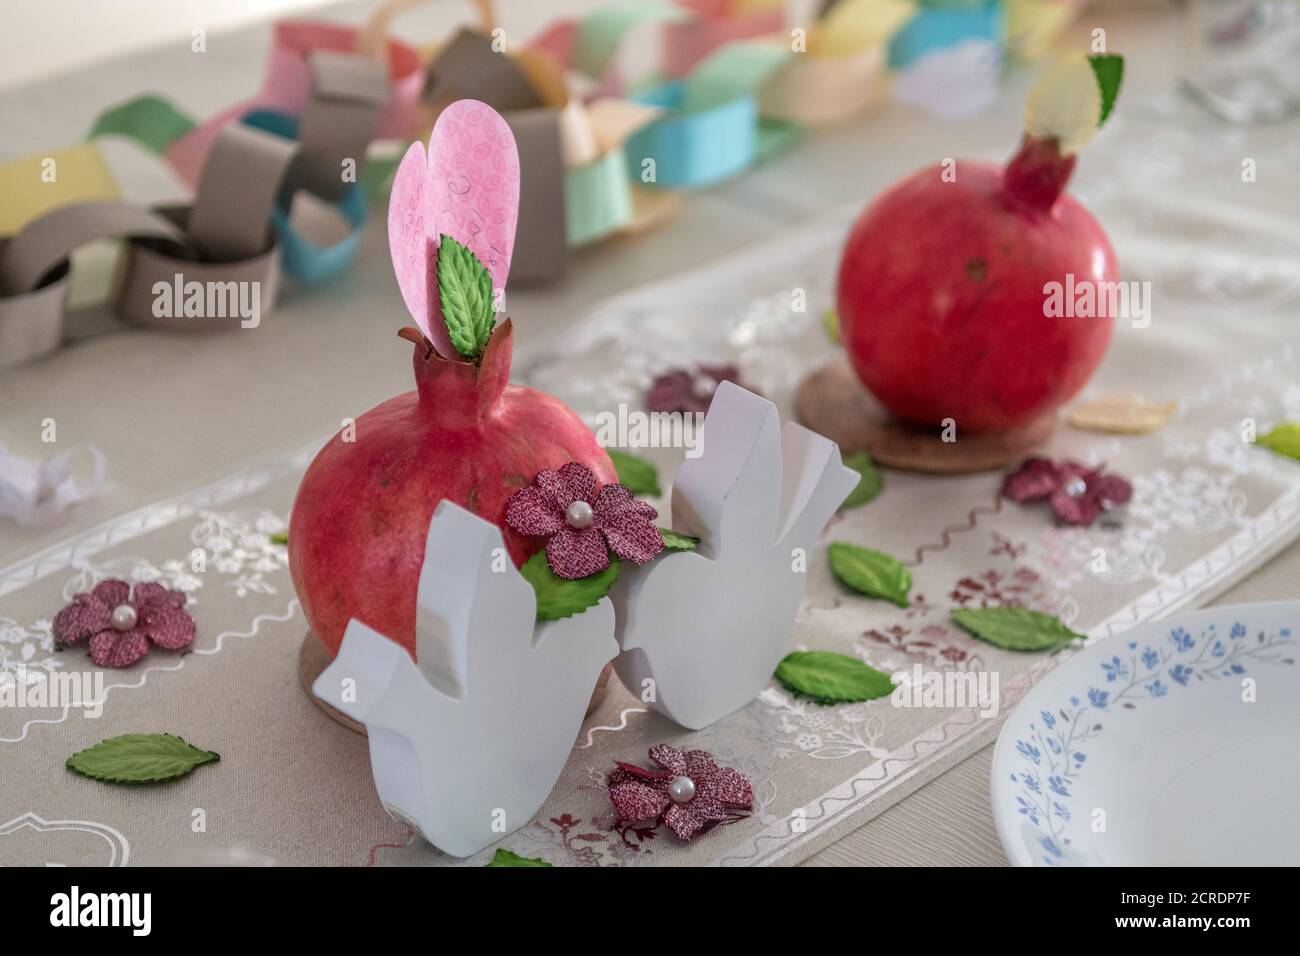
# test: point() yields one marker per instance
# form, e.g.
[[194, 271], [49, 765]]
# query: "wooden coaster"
[[312, 659], [832, 402]]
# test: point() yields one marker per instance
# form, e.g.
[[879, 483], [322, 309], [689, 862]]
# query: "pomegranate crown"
[[460, 393], [451, 227]]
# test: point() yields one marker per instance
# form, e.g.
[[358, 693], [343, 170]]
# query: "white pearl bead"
[[1075, 487], [124, 617], [682, 789], [704, 387], [580, 515]]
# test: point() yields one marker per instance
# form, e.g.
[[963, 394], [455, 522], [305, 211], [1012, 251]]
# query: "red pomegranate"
[[357, 534], [942, 289]]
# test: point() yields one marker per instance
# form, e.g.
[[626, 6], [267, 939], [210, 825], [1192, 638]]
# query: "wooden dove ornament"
[[466, 744], [702, 632]]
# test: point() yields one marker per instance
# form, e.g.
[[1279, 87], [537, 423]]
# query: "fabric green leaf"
[[377, 175], [636, 474], [139, 758], [1283, 439], [869, 480], [465, 294], [1109, 70], [559, 597], [507, 858], [678, 542], [832, 678], [872, 573], [1015, 628], [831, 326]]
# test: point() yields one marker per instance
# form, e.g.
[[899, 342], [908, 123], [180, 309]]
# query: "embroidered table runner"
[[294, 787]]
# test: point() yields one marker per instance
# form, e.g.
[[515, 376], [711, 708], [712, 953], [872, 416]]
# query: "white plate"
[[1176, 743]]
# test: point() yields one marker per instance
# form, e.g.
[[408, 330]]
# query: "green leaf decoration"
[[1015, 628], [559, 597], [831, 325], [506, 858], [377, 176], [678, 542], [636, 474], [872, 573], [139, 758], [1109, 70], [279, 538], [869, 482], [465, 293], [1283, 439], [831, 678]]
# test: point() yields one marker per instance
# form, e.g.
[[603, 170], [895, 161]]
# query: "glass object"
[[1242, 58]]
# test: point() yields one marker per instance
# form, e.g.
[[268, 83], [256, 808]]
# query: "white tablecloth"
[[176, 412]]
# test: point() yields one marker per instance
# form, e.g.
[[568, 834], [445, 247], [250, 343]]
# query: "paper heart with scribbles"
[[465, 185]]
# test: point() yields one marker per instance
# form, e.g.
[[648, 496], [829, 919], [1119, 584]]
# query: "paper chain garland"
[[253, 170], [729, 92]]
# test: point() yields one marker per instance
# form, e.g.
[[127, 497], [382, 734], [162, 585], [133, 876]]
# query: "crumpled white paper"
[[955, 82], [35, 493]]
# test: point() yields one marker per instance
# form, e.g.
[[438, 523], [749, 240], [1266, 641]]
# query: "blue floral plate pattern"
[[1116, 757]]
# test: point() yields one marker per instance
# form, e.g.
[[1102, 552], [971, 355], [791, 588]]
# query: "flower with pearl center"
[[704, 387], [689, 390], [1078, 494], [120, 624], [582, 525], [690, 795]]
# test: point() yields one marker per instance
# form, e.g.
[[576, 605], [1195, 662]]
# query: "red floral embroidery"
[[930, 645], [1022, 587]]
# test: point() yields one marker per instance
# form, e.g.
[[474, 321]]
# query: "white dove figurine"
[[702, 632], [466, 744]]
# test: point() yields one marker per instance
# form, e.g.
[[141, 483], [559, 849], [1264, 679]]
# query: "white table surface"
[[214, 406]]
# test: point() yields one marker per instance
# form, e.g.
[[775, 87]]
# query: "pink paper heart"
[[466, 185]]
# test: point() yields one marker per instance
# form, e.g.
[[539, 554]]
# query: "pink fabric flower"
[[689, 390], [582, 526], [1078, 494], [691, 795], [120, 625]]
